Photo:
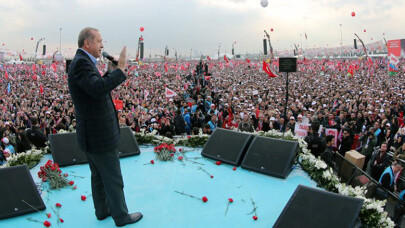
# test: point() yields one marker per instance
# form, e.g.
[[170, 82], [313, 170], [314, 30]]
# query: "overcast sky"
[[198, 24]]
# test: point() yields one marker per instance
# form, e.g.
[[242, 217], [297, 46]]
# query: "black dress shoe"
[[104, 216], [132, 218]]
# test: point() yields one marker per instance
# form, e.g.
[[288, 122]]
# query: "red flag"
[[43, 73], [6, 74], [34, 77], [34, 67], [267, 69], [169, 93], [226, 59], [208, 57], [41, 89], [183, 68], [119, 104], [53, 65], [247, 60], [21, 59], [166, 68]]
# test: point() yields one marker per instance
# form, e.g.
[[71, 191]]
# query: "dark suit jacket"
[[96, 118]]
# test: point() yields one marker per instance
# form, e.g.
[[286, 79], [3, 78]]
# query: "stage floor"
[[150, 189]]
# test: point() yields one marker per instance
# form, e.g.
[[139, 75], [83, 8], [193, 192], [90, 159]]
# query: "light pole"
[[219, 47], [341, 40], [60, 41]]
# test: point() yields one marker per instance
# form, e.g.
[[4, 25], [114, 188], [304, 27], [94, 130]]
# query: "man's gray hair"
[[86, 34]]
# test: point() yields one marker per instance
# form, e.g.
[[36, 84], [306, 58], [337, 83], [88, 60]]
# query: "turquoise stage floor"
[[150, 189]]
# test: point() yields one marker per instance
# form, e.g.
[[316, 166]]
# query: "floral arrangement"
[[165, 152], [154, 139], [52, 173], [30, 158]]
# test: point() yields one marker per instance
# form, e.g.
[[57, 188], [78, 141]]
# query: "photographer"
[[369, 141]]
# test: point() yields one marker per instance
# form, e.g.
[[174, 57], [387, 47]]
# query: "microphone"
[[109, 57]]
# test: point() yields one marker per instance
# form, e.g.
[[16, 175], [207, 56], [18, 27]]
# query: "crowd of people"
[[365, 106]]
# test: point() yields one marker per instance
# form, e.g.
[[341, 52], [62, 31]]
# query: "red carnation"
[[188, 136], [234, 168], [65, 175], [47, 224], [58, 205], [180, 149], [61, 220], [212, 176], [71, 183], [230, 200], [171, 155], [180, 158], [152, 162], [204, 199], [254, 217], [75, 187], [48, 215], [83, 198], [218, 162]]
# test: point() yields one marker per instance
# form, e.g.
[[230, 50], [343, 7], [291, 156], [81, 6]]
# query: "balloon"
[[353, 14], [364, 30], [141, 39], [271, 29], [141, 28], [32, 38], [264, 3]]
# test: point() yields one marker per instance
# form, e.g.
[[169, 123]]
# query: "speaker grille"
[[16, 185], [310, 207], [227, 146], [273, 157]]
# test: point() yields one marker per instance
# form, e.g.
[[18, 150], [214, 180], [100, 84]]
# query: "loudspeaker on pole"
[[43, 49], [355, 44], [141, 51], [265, 46]]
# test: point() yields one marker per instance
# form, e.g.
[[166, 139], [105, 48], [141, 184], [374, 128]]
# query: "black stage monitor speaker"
[[264, 46], [65, 149], [311, 207], [68, 61], [128, 145], [227, 146], [17, 186], [274, 157]]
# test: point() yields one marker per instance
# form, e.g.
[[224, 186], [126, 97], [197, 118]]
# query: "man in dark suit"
[[36, 135], [97, 129]]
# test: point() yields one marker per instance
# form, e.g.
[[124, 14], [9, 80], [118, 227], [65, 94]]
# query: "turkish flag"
[[169, 93], [208, 57], [119, 104], [21, 59], [267, 69], [53, 65], [6, 74], [247, 60], [166, 68], [226, 59]]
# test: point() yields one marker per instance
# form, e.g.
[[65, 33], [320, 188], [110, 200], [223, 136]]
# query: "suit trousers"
[[107, 185]]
